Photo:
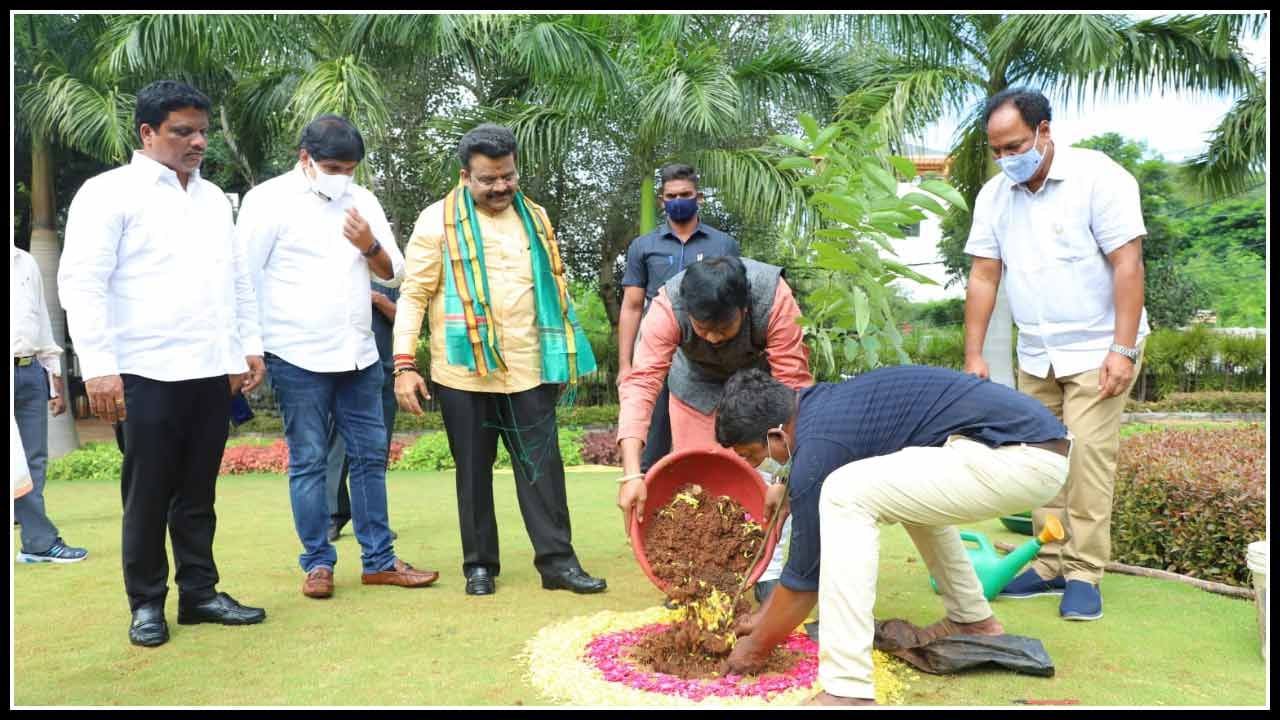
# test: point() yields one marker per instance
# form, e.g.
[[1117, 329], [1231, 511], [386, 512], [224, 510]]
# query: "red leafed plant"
[[1191, 501], [273, 458], [600, 447]]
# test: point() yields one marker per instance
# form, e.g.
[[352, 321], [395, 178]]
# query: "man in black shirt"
[[926, 447]]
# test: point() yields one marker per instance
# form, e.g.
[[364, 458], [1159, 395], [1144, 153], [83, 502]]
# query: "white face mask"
[[1021, 168], [329, 187], [777, 470]]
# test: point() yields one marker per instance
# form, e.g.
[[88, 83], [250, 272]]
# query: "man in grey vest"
[[719, 316]]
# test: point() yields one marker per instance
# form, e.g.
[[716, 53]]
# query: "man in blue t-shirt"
[[926, 447]]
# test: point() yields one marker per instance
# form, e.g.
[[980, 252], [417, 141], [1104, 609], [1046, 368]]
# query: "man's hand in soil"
[[747, 657], [746, 624]]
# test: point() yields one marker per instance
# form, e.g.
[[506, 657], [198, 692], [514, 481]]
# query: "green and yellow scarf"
[[471, 340]]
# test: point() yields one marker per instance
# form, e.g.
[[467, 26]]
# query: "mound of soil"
[[700, 546]]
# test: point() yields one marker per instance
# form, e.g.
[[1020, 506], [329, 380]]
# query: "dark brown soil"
[[697, 548]]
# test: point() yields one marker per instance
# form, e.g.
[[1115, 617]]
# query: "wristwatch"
[[373, 249], [1129, 352]]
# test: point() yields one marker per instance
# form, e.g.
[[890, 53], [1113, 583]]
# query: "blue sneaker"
[[1029, 584], [1081, 601], [59, 553]]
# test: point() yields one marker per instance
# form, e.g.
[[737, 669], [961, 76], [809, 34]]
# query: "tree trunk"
[[997, 349], [46, 251]]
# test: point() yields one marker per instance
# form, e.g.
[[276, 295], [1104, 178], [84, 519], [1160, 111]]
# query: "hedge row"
[[101, 460], [1191, 501], [587, 416], [1209, 402]]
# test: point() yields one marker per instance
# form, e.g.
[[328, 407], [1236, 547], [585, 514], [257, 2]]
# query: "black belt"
[[1061, 446]]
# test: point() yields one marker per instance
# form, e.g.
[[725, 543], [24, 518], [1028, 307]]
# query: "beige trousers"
[[1084, 505], [928, 490]]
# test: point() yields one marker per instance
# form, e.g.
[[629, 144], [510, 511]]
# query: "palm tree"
[[63, 100], [947, 63], [612, 98]]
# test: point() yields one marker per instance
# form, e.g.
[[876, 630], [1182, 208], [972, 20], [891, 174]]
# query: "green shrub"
[[1198, 359], [1191, 501], [576, 416], [1209, 401], [431, 452], [94, 461], [939, 347]]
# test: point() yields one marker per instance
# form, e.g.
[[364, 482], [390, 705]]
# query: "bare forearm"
[[628, 325], [979, 302], [380, 264], [1129, 297], [782, 613]]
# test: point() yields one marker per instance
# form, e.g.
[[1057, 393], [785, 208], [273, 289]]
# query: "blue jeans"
[[309, 402], [31, 410]]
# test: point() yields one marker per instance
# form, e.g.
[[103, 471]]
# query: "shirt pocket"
[[1072, 277]]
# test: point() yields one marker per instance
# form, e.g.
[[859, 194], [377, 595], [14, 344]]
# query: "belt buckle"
[[23, 361]]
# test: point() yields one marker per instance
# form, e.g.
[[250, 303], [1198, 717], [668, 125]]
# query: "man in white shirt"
[[161, 310], [37, 394], [1065, 227], [313, 238]]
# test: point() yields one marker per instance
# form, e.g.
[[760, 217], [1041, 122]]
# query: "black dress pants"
[[526, 422], [172, 439], [658, 444]]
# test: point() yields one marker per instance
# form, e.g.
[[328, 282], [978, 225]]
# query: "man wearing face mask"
[[652, 260], [1064, 226], [484, 266], [926, 447], [719, 316], [314, 239]]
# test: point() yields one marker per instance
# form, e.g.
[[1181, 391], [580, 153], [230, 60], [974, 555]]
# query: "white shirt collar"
[[153, 170]]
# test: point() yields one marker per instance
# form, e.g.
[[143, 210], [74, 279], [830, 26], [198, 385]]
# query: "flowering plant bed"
[[588, 661]]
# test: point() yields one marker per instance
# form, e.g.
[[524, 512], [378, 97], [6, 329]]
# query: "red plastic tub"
[[719, 472]]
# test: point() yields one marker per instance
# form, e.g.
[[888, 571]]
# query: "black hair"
[[157, 100], [332, 137], [715, 289], [753, 403], [492, 141], [677, 171], [1032, 105]]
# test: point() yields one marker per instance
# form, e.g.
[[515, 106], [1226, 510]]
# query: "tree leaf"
[[861, 311], [946, 192], [926, 202], [880, 177], [795, 163], [904, 166]]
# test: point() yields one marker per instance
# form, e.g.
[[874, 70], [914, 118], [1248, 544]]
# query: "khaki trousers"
[[928, 490], [1084, 505]]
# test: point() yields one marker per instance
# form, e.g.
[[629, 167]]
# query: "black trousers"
[[526, 422], [172, 440], [658, 444]]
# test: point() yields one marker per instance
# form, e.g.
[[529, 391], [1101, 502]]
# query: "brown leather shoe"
[[319, 583], [402, 574]]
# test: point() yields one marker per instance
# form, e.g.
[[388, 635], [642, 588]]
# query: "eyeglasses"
[[489, 182]]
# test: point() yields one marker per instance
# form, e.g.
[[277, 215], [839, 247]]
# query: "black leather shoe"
[[148, 628], [479, 581], [222, 609], [335, 529], [575, 579]]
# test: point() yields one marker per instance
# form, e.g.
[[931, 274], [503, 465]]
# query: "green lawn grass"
[[1160, 643]]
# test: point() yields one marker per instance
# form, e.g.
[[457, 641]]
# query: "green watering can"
[[996, 571]]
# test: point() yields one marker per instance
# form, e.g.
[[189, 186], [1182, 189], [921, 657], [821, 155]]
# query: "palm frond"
[[748, 181], [693, 93], [1236, 157], [790, 73], [345, 86], [97, 122], [901, 98], [572, 47]]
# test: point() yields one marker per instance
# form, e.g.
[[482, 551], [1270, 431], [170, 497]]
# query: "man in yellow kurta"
[[483, 264]]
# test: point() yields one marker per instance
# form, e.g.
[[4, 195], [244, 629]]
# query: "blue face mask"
[[771, 466], [681, 209], [1020, 168]]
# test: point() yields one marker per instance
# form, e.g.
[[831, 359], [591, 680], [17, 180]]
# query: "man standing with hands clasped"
[[161, 308]]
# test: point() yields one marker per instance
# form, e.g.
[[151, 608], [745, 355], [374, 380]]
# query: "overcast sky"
[[1177, 126]]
